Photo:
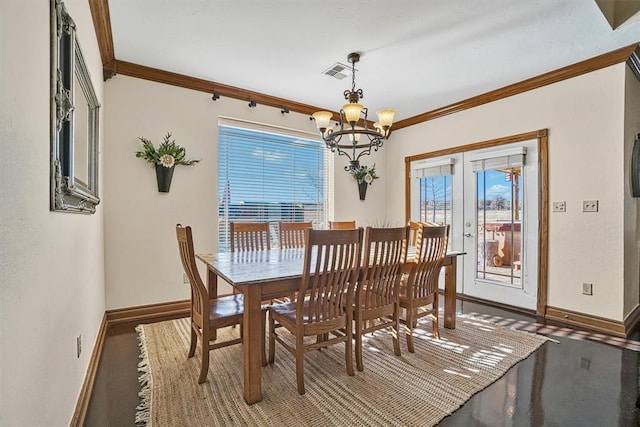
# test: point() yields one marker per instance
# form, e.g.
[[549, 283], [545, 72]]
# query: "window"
[[434, 190], [269, 174], [435, 199], [499, 202]]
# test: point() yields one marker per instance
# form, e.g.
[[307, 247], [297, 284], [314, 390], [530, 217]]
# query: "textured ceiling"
[[416, 55]]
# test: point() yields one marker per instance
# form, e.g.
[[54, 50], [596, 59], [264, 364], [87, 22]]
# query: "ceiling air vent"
[[338, 71]]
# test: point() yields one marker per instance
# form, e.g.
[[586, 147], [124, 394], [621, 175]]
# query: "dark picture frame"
[[635, 168], [74, 120]]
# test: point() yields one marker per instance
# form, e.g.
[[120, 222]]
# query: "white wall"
[[51, 264], [631, 217], [141, 254], [584, 116]]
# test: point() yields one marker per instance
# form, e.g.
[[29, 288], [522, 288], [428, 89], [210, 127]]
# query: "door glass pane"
[[499, 218], [435, 201]]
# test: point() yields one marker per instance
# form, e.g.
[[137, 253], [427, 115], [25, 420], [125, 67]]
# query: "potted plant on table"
[[164, 158], [365, 176]]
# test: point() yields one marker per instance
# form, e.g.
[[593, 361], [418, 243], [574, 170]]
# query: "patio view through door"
[[490, 199]]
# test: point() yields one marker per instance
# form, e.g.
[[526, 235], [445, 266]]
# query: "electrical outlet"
[[585, 363], [185, 278], [589, 206], [559, 206], [587, 289], [79, 346]]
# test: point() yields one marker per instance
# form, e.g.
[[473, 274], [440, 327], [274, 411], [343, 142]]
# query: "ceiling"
[[416, 56]]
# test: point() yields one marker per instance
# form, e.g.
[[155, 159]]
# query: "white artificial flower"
[[368, 178], [167, 160]]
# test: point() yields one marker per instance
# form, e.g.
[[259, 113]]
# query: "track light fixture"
[[285, 110], [252, 103], [215, 96]]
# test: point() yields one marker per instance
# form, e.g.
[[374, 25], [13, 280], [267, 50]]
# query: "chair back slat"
[[385, 253], [431, 249], [331, 267], [291, 234], [342, 225], [200, 296], [415, 228], [250, 236]]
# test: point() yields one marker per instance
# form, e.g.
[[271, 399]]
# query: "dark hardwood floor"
[[581, 379]]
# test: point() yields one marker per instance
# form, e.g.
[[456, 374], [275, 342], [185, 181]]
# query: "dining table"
[[269, 274]]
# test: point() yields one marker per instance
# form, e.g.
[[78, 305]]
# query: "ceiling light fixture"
[[359, 141]]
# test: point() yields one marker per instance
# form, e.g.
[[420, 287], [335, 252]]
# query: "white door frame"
[[543, 200]]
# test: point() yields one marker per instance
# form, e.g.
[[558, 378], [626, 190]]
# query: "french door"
[[490, 199]]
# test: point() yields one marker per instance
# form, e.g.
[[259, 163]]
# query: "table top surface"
[[255, 266], [262, 266]]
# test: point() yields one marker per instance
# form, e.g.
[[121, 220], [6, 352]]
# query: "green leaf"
[[167, 146]]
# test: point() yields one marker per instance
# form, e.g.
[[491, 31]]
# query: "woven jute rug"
[[417, 389]]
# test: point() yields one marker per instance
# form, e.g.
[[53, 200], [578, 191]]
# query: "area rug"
[[418, 389]]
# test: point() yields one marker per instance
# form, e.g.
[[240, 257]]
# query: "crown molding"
[[102, 25], [634, 62], [555, 76], [188, 82], [112, 66]]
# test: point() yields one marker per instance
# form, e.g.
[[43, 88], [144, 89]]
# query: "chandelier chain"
[[353, 76]]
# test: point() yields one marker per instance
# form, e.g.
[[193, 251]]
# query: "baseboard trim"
[[587, 321], [89, 379], [158, 312], [631, 321], [573, 318], [153, 312]]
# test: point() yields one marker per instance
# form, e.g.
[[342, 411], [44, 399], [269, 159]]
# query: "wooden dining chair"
[[416, 227], [342, 225], [325, 297], [419, 289], [291, 234], [376, 302], [208, 315], [250, 236]]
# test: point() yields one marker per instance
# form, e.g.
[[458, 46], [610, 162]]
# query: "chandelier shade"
[[323, 119], [360, 140]]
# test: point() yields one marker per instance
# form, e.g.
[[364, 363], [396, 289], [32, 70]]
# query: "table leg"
[[450, 272], [212, 286], [252, 343]]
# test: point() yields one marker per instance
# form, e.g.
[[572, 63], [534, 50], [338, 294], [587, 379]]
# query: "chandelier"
[[352, 140]]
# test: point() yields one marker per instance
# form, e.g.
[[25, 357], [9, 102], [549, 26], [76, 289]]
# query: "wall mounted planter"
[[163, 176], [362, 189]]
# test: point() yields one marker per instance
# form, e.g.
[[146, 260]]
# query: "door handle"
[[468, 235]]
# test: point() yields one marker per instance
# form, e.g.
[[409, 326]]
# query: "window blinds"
[[508, 160], [438, 168], [269, 175]]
